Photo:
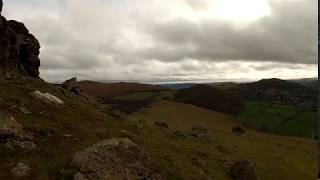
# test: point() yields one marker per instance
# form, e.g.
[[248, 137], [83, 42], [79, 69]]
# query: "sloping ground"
[[57, 131], [275, 157], [204, 96], [312, 83], [277, 91], [185, 116], [80, 126], [280, 119], [107, 90]]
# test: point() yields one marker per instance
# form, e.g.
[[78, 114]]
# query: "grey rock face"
[[19, 52], [72, 85]]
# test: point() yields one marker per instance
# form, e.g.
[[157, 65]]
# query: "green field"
[[279, 119]]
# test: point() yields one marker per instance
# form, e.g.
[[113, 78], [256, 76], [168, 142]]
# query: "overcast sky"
[[172, 40]]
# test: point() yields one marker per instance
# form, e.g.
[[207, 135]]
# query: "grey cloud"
[[287, 35], [135, 40]]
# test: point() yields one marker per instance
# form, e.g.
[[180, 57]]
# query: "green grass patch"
[[279, 119]]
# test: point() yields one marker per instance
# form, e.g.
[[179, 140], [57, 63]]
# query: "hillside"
[[277, 91], [311, 83], [224, 85], [211, 98], [280, 119], [60, 131], [269, 153], [107, 90]]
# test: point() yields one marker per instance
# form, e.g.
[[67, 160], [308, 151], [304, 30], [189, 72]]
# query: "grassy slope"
[[273, 119], [77, 117], [186, 116], [276, 157], [192, 158]]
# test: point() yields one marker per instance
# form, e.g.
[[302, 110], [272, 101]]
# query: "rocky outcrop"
[[13, 137], [72, 85], [117, 158], [19, 52]]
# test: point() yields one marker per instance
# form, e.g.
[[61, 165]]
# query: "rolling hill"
[[277, 91], [204, 96], [107, 90], [274, 156]]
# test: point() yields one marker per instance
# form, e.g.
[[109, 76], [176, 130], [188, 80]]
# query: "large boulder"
[[47, 98], [19, 52], [117, 158], [243, 170]]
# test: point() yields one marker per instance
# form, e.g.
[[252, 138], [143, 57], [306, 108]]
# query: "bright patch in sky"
[[237, 12], [241, 10]]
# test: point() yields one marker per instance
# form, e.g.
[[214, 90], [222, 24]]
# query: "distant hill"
[[204, 96], [307, 82], [106, 90], [279, 91], [224, 85], [177, 85]]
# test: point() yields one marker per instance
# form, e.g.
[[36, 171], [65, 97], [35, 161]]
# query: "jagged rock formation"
[[19, 50], [72, 85]]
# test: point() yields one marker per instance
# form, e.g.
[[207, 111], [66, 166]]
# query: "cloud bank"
[[170, 41]]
